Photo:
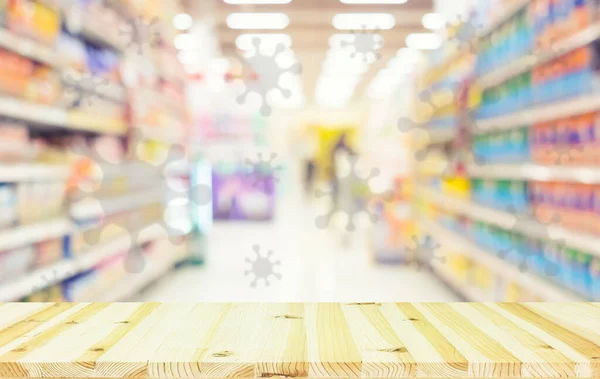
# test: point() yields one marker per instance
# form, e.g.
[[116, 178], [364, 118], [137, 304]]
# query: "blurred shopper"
[[341, 148], [308, 152]]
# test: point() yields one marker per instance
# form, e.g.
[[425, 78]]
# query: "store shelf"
[[32, 173], [585, 242], [53, 274], [526, 63], [132, 284], [526, 171], [541, 113], [467, 292], [93, 208], [29, 49], [30, 234], [161, 134], [56, 273], [33, 113], [509, 13], [533, 283], [46, 115]]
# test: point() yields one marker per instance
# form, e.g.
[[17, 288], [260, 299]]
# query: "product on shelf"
[[33, 19], [16, 263]]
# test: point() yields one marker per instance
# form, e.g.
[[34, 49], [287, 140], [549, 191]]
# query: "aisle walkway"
[[314, 267]]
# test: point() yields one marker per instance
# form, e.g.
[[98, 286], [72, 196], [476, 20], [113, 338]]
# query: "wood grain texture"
[[325, 340]]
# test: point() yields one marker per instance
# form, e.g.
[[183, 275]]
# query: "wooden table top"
[[350, 340]]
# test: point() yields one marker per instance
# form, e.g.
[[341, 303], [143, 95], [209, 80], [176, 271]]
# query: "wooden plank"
[[538, 358], [435, 355], [233, 350], [332, 352], [551, 334], [383, 354], [180, 353], [486, 356]]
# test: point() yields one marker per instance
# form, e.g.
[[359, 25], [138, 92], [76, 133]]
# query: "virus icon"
[[85, 87], [464, 33], [424, 251], [141, 33], [268, 74], [529, 255], [262, 267], [265, 169], [366, 43], [351, 209], [50, 279]]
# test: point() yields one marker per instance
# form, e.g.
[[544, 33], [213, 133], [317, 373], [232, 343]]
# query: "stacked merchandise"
[[72, 214], [523, 221]]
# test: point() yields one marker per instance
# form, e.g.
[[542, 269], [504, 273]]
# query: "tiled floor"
[[314, 266]]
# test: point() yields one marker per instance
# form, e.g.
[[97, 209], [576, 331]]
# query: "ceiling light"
[[183, 21], [373, 1], [423, 41], [246, 41], [368, 21], [258, 21], [409, 55], [188, 57], [185, 41], [241, 2], [433, 21]]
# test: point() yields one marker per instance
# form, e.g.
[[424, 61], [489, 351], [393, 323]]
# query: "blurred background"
[[299, 150]]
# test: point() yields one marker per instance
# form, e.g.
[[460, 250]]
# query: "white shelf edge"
[[32, 173], [588, 243], [540, 286], [31, 112], [47, 276], [41, 278], [132, 284], [95, 208], [29, 234], [541, 113], [29, 48], [528, 62], [507, 15], [530, 171], [46, 115]]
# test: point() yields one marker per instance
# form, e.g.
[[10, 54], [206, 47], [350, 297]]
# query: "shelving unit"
[[92, 122], [540, 113], [508, 221], [30, 234], [527, 171], [32, 172], [47, 276], [513, 81], [526, 63], [30, 49], [545, 289]]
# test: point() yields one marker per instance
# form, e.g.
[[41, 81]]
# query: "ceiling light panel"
[[258, 2], [183, 21], [434, 21], [423, 41], [373, 1], [367, 21], [267, 21]]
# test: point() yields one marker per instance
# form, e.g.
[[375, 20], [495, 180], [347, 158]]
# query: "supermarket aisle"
[[314, 266]]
